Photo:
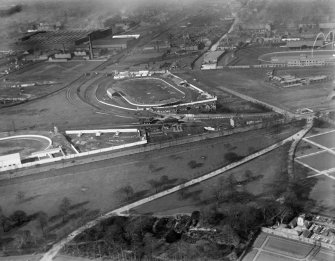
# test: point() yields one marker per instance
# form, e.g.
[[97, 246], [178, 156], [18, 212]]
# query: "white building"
[[10, 161]]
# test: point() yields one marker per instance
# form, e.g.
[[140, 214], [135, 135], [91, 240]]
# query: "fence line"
[[81, 158]]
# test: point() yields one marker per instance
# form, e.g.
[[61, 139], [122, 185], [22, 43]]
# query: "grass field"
[[268, 247], [267, 180], [148, 91], [321, 161], [251, 82], [288, 247], [322, 193], [266, 256], [324, 255], [327, 139], [103, 178]]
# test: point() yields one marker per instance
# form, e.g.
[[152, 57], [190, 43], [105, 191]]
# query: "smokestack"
[[90, 46]]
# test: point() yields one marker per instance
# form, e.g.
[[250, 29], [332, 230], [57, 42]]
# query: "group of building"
[[311, 229], [73, 43], [293, 81]]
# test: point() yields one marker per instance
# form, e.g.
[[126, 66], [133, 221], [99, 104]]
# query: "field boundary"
[[83, 159]]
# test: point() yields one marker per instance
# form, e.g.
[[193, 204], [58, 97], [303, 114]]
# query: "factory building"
[[65, 40]]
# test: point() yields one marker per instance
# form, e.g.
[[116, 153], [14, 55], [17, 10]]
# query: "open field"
[[251, 82], [321, 161], [25, 146], [281, 249], [317, 151], [327, 139], [323, 191], [265, 178], [284, 246], [324, 255], [148, 91], [102, 179], [323, 194]]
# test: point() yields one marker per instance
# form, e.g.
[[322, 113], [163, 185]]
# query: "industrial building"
[[59, 40]]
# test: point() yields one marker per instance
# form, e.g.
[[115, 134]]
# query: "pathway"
[[48, 256]]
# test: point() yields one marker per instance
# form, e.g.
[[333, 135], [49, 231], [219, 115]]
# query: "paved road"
[[48, 256]]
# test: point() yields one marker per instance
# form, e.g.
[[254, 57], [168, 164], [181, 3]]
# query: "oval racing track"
[[45, 141], [85, 95]]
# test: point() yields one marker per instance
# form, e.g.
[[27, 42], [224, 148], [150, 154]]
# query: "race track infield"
[[148, 90]]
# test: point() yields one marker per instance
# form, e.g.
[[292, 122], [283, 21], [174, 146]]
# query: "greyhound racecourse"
[[284, 57]]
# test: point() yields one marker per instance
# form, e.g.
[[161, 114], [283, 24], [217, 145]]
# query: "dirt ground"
[[251, 82]]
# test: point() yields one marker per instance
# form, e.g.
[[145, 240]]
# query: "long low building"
[[301, 44]]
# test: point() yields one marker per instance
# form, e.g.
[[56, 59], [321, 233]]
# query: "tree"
[[19, 217], [126, 191], [43, 221], [154, 184], [20, 195], [64, 207], [3, 220], [232, 157]]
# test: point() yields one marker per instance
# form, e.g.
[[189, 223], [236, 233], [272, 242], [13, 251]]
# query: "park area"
[[251, 182], [126, 179], [149, 91]]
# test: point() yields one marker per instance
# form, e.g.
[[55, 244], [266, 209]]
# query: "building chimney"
[[90, 46]]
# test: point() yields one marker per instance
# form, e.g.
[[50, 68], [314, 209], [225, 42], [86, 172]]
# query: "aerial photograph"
[[167, 130]]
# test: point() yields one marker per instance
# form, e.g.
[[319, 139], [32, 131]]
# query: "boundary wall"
[[109, 153]]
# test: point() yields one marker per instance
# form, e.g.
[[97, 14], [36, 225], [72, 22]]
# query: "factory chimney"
[[90, 46]]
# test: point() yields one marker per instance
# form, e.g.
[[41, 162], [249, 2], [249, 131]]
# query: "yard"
[[48, 77], [252, 82]]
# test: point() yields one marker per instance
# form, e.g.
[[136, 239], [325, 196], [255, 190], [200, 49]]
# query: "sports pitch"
[[322, 159], [269, 247], [149, 90]]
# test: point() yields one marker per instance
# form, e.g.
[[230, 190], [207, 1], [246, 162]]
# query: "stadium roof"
[[299, 44]]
